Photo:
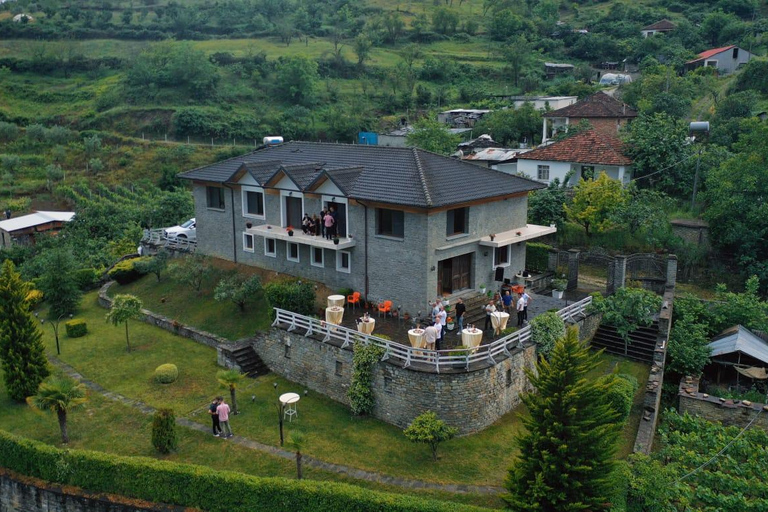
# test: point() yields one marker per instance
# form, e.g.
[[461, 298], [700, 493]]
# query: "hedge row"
[[537, 256], [197, 486]]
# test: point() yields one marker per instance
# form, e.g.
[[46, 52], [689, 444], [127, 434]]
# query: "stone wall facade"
[[727, 411], [23, 494]]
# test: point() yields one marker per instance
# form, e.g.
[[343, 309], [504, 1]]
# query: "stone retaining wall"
[[170, 325], [725, 410], [23, 494]]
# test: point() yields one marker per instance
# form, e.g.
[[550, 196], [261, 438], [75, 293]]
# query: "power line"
[[665, 168]]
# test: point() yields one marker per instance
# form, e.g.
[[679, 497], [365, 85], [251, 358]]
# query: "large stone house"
[[604, 112], [412, 224], [583, 155]]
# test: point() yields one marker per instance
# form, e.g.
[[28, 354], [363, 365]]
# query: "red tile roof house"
[[659, 27], [605, 113], [587, 154], [726, 59]]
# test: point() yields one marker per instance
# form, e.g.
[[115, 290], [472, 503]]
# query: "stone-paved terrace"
[[397, 329]]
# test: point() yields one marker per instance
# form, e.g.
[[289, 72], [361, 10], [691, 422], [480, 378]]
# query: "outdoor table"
[[416, 337], [499, 321], [471, 338], [288, 401], [334, 314], [366, 326], [336, 300]]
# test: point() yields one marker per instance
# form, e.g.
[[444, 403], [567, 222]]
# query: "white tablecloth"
[[471, 339], [336, 300], [366, 327], [416, 337], [499, 321], [334, 314]]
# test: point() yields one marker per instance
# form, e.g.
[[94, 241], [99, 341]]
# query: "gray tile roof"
[[261, 171], [398, 176]]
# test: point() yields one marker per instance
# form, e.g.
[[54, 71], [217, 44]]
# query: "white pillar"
[[544, 133]]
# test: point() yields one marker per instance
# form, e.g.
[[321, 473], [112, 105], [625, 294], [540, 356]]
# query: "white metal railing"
[[157, 238], [408, 355]]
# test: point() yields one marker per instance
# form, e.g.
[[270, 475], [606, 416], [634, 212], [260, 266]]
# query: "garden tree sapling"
[[239, 289], [60, 395], [594, 203], [124, 307], [231, 379], [427, 428]]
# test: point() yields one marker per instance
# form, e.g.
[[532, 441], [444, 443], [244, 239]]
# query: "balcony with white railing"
[[463, 359], [298, 237]]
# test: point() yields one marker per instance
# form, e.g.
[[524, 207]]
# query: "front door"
[[454, 274], [293, 212]]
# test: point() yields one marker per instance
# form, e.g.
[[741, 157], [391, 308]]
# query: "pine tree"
[[566, 454], [22, 354]]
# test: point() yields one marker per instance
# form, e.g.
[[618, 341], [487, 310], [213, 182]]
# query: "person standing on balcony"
[[526, 299], [489, 308], [460, 310], [520, 311], [328, 222], [441, 319]]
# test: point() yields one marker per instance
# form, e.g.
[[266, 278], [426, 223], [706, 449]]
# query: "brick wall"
[[23, 494], [609, 126], [726, 411]]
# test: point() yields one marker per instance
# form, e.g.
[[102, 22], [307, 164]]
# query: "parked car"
[[186, 231]]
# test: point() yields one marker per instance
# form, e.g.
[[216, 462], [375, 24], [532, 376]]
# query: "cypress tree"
[[22, 354], [567, 451]]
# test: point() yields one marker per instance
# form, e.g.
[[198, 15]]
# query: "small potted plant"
[[482, 289], [558, 287], [249, 225], [289, 229], [449, 323], [518, 233], [492, 235], [335, 240]]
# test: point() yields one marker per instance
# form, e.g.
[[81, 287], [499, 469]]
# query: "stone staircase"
[[641, 346], [249, 361], [475, 302]]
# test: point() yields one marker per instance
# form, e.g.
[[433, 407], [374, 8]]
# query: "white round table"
[[471, 339], [366, 327], [334, 314], [416, 337], [288, 401], [499, 321], [336, 300]]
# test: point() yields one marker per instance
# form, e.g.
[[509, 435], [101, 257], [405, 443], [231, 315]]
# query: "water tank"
[[272, 140]]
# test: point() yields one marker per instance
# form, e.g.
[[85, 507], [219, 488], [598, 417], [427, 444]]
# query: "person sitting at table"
[[520, 310], [489, 308], [306, 224]]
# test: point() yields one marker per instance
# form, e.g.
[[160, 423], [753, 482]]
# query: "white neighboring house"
[[587, 154], [22, 230], [726, 59], [660, 27]]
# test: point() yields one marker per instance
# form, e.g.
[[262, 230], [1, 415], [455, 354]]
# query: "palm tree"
[[298, 440], [124, 307], [59, 394], [231, 379]]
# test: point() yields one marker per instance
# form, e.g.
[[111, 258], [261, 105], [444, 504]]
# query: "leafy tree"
[[688, 350], [239, 289], [191, 270], [517, 54], [10, 163], [735, 194], [595, 202], [362, 47], [651, 487], [646, 212], [393, 25], [754, 77], [165, 439], [510, 126], [296, 79], [621, 393], [22, 354], [658, 146], [58, 281], [740, 308], [432, 136], [124, 307], [567, 450], [546, 329], [8, 132], [427, 428], [231, 379], [628, 309], [95, 165], [719, 27], [60, 395], [547, 206], [157, 265], [296, 296], [444, 21]]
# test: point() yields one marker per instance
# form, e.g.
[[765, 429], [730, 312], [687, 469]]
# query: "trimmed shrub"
[[295, 296], [86, 278], [125, 272], [199, 487], [76, 328], [621, 393], [166, 373], [537, 256], [546, 329], [164, 436]]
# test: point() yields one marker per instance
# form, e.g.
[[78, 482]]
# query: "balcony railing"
[[432, 360]]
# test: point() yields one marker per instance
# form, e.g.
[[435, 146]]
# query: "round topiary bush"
[[166, 373]]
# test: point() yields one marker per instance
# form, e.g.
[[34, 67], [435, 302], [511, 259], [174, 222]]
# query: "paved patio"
[[397, 329]]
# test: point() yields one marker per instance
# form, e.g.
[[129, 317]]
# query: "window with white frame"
[[253, 203], [292, 253], [248, 242], [317, 256], [343, 262], [269, 247], [501, 256], [542, 172]]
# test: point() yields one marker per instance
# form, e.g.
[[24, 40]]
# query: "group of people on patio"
[[323, 225], [505, 303]]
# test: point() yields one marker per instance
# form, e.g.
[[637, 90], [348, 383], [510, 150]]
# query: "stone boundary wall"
[[170, 325], [652, 399], [725, 410], [25, 494]]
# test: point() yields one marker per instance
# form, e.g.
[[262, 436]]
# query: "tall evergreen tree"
[[22, 355], [566, 452], [59, 284]]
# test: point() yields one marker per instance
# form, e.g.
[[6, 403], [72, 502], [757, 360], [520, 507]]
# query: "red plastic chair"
[[385, 307], [353, 299]]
